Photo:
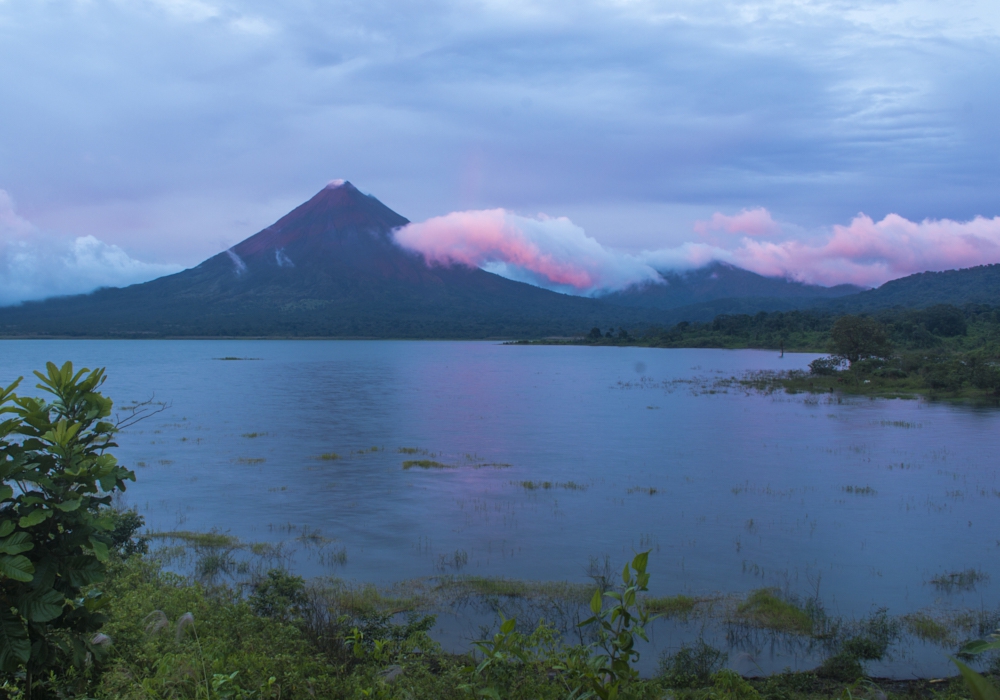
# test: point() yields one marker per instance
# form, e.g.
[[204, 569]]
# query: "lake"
[[861, 502]]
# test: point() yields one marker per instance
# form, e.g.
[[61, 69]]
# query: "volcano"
[[329, 268]]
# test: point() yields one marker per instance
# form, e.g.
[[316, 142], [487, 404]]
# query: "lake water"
[[730, 491]]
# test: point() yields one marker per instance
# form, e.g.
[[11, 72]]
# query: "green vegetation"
[[671, 606], [546, 485], [940, 351], [55, 478], [425, 464], [959, 580], [766, 609]]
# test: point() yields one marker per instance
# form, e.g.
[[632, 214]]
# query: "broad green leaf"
[[596, 602], [490, 693], [15, 648], [67, 506], [980, 688], [82, 570], [41, 607], [33, 518], [5, 493], [100, 549], [16, 543], [16, 567], [6, 527], [640, 561], [978, 646], [508, 626], [625, 574]]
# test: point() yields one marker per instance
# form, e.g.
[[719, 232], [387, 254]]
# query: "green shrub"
[[691, 667], [56, 479]]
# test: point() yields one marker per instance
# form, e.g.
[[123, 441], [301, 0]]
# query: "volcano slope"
[[329, 268]]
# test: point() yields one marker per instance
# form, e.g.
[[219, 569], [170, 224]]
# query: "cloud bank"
[[545, 251], [36, 265], [557, 254]]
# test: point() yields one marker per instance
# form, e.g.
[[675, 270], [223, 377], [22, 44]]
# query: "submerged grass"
[[535, 485], [426, 464], [197, 539], [671, 606], [766, 609], [490, 586], [959, 580], [923, 626]]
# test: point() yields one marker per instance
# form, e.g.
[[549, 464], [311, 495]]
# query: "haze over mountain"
[[720, 280]]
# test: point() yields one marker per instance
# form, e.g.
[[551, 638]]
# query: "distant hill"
[[329, 268], [718, 281], [971, 285]]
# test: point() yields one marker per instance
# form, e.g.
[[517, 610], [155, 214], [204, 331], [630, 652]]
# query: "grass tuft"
[[425, 464], [764, 608]]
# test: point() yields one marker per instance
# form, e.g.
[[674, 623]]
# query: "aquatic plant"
[[959, 580], [425, 464], [765, 608]]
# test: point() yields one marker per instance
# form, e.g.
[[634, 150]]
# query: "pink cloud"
[[552, 252], [870, 253], [749, 222], [557, 254]]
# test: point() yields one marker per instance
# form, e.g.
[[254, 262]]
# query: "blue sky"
[[160, 132]]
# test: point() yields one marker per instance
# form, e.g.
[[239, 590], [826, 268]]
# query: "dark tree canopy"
[[854, 338]]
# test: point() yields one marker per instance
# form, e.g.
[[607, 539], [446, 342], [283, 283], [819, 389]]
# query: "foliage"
[[278, 595], [855, 338], [618, 626], [691, 667], [55, 477]]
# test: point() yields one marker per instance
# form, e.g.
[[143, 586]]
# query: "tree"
[[595, 333], [855, 338], [56, 479]]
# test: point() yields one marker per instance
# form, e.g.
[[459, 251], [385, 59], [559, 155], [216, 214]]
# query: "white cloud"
[[36, 265]]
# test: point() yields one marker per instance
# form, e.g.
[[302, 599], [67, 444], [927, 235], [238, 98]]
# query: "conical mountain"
[[329, 268]]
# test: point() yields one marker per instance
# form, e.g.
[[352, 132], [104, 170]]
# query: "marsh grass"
[[899, 424], [959, 580], [929, 629], [333, 556], [672, 606], [197, 539], [426, 464], [411, 451], [648, 490], [250, 460], [310, 536], [490, 586], [766, 609], [546, 485], [860, 490], [252, 435], [329, 456]]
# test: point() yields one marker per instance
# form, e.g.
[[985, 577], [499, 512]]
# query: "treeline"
[[940, 326]]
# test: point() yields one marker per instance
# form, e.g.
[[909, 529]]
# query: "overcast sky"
[[160, 132]]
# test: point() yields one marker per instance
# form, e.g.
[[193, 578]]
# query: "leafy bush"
[[826, 366], [56, 478], [691, 667]]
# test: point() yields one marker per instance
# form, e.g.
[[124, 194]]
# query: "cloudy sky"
[[825, 140]]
